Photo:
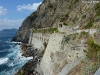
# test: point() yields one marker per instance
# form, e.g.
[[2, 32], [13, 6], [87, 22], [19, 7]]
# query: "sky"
[[13, 12]]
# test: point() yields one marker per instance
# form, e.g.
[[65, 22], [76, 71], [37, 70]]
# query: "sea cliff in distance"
[[8, 32]]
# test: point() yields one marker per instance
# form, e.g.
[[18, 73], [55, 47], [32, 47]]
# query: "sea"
[[11, 59]]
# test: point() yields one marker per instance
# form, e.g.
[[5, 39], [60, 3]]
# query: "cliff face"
[[54, 58], [72, 17], [49, 13]]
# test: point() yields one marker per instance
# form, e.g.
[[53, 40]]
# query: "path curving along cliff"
[[49, 13], [76, 18]]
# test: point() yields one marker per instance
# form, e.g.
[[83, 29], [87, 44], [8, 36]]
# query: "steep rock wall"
[[54, 58], [48, 14], [37, 40]]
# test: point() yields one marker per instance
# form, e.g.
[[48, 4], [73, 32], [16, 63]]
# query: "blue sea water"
[[10, 56]]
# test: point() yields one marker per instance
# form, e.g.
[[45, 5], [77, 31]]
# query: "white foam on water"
[[11, 64], [17, 60], [14, 42], [3, 60]]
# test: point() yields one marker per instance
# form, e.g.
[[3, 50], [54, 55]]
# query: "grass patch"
[[64, 17], [45, 45], [42, 53], [89, 69], [50, 30], [97, 8], [44, 14], [74, 19], [84, 34], [75, 1], [89, 24], [83, 16], [97, 18], [50, 5], [93, 50], [40, 31], [33, 16], [71, 36], [66, 39], [69, 7]]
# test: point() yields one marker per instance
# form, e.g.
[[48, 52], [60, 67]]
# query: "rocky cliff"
[[50, 12], [76, 21]]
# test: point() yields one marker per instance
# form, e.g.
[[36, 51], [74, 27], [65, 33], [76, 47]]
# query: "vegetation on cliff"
[[72, 13], [49, 13], [48, 30]]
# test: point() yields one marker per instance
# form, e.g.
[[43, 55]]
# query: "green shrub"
[[98, 55], [90, 69], [75, 1], [97, 9], [82, 61], [50, 6], [51, 30], [22, 72], [89, 55], [42, 53], [84, 34], [85, 51], [93, 49], [97, 6], [43, 31], [66, 39], [74, 19], [87, 9], [43, 14], [45, 45], [83, 16], [69, 7], [72, 36], [32, 16], [97, 18], [40, 31], [66, 15], [89, 24], [65, 23], [62, 19]]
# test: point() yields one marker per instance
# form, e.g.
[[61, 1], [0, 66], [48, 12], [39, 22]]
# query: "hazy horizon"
[[13, 13]]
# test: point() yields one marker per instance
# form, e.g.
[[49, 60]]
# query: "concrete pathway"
[[97, 72], [69, 66]]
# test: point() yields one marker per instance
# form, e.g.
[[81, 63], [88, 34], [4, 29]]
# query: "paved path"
[[97, 72], [69, 66]]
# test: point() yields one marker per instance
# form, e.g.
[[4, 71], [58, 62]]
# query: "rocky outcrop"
[[61, 56], [57, 55], [50, 12], [32, 67], [54, 59], [22, 36]]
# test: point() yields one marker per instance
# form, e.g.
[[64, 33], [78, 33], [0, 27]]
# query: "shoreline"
[[32, 66], [20, 56]]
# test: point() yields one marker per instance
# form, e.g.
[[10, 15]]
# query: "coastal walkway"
[[97, 72], [69, 66]]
